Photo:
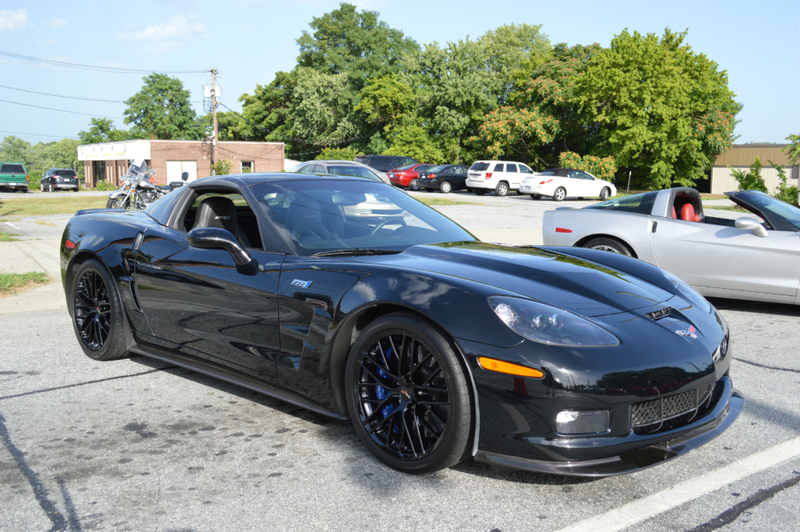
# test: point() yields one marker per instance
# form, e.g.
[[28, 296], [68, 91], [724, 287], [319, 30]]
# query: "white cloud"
[[13, 20], [176, 29], [58, 23]]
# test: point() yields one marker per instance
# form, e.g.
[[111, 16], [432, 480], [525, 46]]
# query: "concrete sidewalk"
[[26, 256]]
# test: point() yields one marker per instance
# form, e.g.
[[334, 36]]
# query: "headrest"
[[216, 212]]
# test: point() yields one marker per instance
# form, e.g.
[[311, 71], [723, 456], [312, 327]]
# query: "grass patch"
[[45, 205], [14, 283], [441, 201], [7, 237]]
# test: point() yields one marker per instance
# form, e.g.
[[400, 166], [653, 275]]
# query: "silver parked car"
[[752, 256], [339, 167]]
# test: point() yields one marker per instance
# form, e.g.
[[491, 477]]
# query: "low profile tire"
[[407, 395], [501, 189], [605, 193], [413, 185], [609, 244], [480, 191], [536, 196], [97, 313], [560, 194], [445, 187]]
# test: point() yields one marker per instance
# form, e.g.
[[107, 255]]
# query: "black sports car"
[[437, 346]]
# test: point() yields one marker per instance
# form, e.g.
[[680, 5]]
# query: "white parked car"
[[561, 183], [499, 176]]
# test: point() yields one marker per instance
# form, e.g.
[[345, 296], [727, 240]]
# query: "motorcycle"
[[138, 189]]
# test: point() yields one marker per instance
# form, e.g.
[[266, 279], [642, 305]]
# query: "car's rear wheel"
[[501, 189], [50, 188], [605, 193], [560, 194], [480, 191], [413, 185], [407, 394], [446, 187], [609, 244], [536, 196], [97, 313]]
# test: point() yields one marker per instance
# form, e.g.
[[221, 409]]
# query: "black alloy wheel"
[[97, 313], [407, 395]]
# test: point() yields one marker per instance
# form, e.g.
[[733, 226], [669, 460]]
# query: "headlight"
[[549, 325], [688, 293]]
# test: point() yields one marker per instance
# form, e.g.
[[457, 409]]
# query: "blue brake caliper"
[[381, 393]]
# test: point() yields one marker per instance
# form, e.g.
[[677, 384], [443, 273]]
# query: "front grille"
[[649, 416]]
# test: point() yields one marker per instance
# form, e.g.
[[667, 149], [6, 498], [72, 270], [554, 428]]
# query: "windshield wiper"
[[356, 251]]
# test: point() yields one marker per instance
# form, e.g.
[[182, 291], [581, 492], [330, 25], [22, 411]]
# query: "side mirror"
[[752, 225], [185, 176], [218, 238]]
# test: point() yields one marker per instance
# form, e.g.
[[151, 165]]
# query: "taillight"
[[488, 175], [431, 176], [544, 182]]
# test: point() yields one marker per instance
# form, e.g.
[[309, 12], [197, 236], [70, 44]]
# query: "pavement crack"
[[56, 388], [764, 366], [732, 514], [39, 491]]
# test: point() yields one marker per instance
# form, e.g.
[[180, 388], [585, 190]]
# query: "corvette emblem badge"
[[688, 332]]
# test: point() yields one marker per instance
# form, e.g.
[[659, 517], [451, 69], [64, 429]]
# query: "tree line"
[[646, 106]]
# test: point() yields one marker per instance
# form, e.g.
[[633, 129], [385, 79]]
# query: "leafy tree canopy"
[[664, 111], [345, 41], [162, 110], [103, 130]]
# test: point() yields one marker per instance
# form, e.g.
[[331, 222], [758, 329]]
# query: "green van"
[[13, 176]]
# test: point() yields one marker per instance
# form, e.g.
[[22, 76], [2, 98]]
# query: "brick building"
[[108, 161]]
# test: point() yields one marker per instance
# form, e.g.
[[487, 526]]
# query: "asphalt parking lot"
[[140, 445]]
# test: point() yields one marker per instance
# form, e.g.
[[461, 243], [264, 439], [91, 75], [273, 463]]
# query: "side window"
[[318, 169], [574, 174], [499, 167], [227, 211], [306, 169], [524, 169], [511, 168]]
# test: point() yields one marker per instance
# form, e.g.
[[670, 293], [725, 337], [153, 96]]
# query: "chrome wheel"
[[560, 194], [501, 189], [413, 185]]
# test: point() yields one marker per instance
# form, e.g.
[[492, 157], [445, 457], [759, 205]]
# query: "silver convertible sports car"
[[752, 256]]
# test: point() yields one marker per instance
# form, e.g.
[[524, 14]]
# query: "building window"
[[248, 167]]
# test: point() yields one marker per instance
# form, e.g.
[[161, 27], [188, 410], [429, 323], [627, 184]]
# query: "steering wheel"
[[377, 227]]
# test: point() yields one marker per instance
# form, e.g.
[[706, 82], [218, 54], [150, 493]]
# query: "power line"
[[36, 135], [62, 110], [61, 96], [116, 70]]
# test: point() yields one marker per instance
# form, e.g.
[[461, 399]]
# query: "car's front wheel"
[[608, 244], [605, 193], [407, 394], [97, 313], [446, 187], [560, 194]]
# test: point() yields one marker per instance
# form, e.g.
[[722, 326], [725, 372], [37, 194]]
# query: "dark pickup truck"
[[13, 176]]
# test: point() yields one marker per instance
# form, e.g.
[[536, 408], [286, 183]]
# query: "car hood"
[[574, 284]]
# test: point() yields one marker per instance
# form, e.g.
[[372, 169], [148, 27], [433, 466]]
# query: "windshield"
[[353, 170], [767, 203], [638, 203], [317, 216]]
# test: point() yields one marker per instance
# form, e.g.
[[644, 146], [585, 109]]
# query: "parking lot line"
[[663, 501]]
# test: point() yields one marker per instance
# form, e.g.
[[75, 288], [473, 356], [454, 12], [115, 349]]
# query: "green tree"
[[323, 107], [750, 179], [162, 110], [345, 154], [514, 133], [14, 149], [663, 111], [411, 140], [359, 45], [103, 130], [793, 149]]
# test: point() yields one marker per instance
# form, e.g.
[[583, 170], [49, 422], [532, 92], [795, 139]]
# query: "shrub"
[[604, 168], [750, 179]]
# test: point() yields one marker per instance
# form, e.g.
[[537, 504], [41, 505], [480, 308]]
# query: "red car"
[[406, 176]]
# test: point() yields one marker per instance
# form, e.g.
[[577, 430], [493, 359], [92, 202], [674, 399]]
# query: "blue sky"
[[757, 43]]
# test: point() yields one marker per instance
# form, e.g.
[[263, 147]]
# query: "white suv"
[[500, 176]]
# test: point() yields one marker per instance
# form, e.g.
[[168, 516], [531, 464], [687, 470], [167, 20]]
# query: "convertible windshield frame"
[[635, 203]]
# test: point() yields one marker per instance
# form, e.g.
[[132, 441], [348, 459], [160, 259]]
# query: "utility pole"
[[214, 115]]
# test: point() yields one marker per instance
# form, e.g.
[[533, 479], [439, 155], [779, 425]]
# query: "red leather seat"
[[688, 214]]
